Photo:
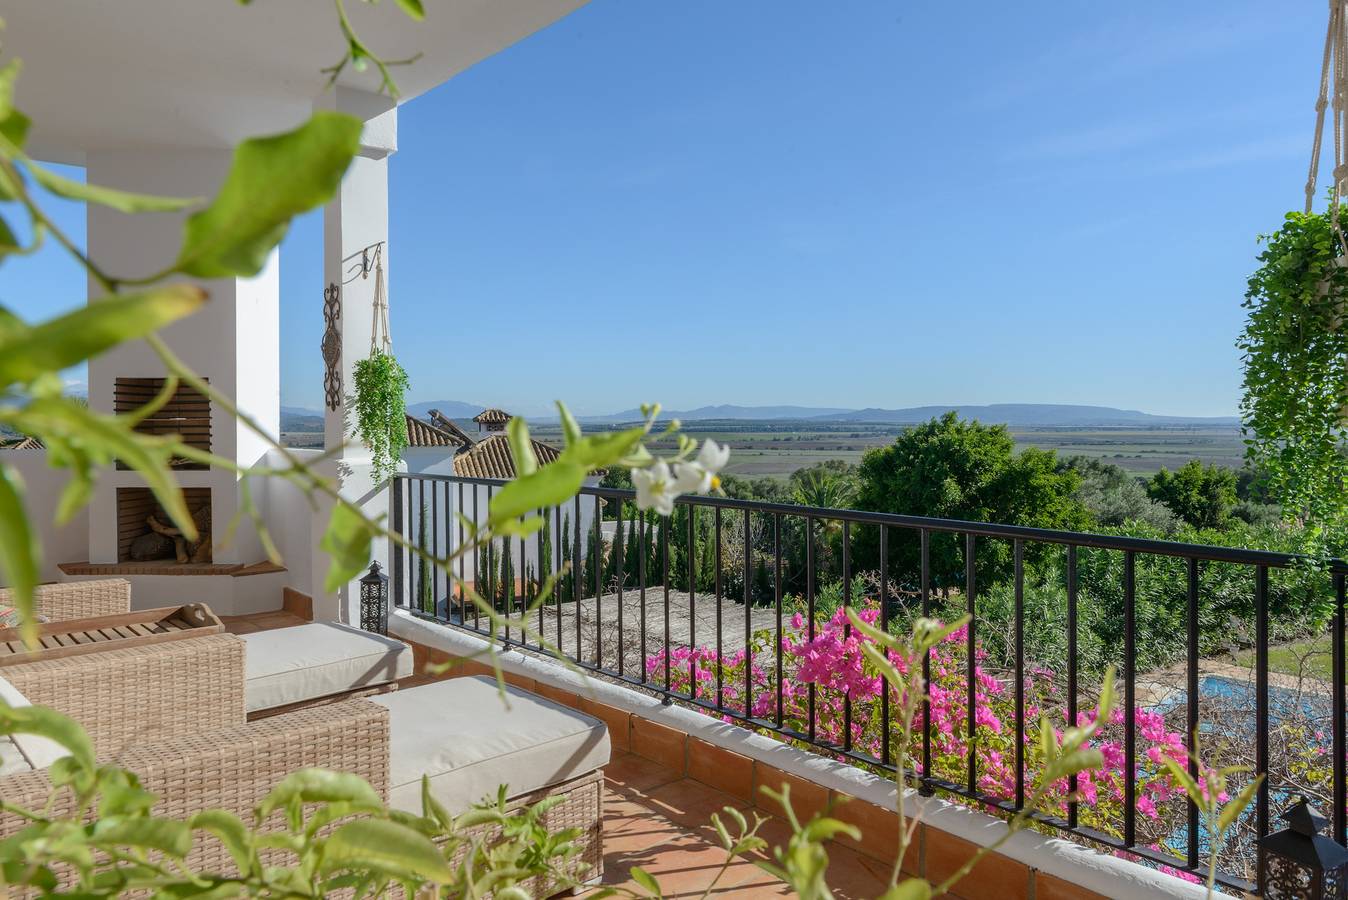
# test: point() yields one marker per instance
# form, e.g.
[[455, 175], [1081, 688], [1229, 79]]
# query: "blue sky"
[[864, 203]]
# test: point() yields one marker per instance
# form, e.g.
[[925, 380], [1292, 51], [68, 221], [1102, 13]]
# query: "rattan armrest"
[[79, 599], [234, 768], [137, 694]]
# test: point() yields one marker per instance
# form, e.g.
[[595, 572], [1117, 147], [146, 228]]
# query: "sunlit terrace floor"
[[658, 819]]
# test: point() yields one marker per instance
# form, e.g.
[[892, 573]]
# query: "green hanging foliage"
[[381, 413], [1295, 353]]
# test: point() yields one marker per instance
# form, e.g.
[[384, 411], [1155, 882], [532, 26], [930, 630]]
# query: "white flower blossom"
[[655, 488], [704, 473]]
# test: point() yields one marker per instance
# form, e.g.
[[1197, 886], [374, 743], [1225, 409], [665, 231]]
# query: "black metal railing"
[[632, 598]]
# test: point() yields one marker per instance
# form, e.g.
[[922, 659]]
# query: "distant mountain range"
[[1045, 415]]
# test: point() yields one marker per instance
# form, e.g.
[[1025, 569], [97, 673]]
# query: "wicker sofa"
[[174, 713], [78, 599]]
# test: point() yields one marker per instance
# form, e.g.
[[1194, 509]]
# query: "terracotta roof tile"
[[488, 416], [22, 443], [424, 434], [491, 458]]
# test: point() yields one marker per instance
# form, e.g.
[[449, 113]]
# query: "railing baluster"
[[885, 686], [692, 601], [809, 606], [1129, 701], [971, 674], [560, 554], [777, 598], [463, 594], [1019, 553], [748, 618], [924, 586], [598, 562], [395, 549], [720, 687], [1072, 672], [847, 628], [1191, 700], [1339, 750], [477, 558], [664, 578], [1261, 707], [578, 573], [622, 576], [641, 583], [435, 548]]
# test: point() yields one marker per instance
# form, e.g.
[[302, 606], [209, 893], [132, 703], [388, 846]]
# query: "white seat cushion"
[[25, 752], [292, 665], [461, 734]]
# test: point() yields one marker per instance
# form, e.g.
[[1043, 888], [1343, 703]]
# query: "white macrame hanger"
[[1333, 93], [380, 339]]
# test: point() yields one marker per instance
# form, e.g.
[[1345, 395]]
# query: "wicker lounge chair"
[[174, 714], [79, 599]]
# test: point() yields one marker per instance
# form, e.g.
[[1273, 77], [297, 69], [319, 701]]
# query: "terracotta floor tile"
[[854, 876], [632, 772], [690, 803]]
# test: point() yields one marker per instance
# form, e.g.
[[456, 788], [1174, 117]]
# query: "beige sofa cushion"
[[461, 734], [25, 752], [293, 665]]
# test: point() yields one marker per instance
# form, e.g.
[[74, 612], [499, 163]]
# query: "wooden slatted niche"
[[187, 414], [135, 505]]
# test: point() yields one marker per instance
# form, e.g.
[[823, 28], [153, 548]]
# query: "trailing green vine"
[[1295, 354], [381, 416]]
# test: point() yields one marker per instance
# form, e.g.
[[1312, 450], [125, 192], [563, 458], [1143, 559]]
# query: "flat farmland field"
[[778, 448]]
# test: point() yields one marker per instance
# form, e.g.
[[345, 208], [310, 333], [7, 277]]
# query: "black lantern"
[[374, 601], [1301, 863]]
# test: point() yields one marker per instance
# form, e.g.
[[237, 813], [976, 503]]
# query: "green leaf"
[[646, 880], [347, 542], [600, 451], [230, 831], [19, 550], [912, 889], [30, 351], [165, 835], [517, 432], [1232, 810], [551, 485], [13, 124], [272, 180], [9, 241], [122, 201], [319, 786], [387, 847], [48, 723], [570, 427], [413, 8]]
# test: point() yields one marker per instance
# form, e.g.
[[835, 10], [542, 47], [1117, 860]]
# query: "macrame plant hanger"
[[1333, 74], [380, 339]]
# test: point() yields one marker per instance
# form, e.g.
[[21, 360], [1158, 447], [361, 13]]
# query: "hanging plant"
[[381, 414], [1295, 354]]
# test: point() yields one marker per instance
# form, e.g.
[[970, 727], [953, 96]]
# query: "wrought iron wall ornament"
[[332, 346]]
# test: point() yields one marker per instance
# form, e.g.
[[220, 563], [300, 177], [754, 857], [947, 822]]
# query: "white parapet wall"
[[1072, 862]]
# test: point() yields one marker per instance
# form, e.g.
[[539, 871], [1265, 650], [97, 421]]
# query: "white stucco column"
[[233, 341], [354, 223]]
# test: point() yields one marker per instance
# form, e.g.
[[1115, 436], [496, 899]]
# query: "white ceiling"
[[124, 74]]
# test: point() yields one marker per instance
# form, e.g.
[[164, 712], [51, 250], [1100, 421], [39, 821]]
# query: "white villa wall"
[[43, 487]]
